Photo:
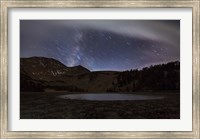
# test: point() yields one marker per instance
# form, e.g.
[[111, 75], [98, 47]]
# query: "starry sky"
[[102, 44]]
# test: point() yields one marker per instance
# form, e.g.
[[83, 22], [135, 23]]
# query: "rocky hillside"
[[47, 74], [48, 69]]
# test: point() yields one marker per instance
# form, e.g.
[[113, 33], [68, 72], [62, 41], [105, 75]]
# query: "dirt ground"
[[40, 105]]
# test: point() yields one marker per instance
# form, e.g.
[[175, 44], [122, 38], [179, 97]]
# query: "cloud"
[[166, 31], [89, 42]]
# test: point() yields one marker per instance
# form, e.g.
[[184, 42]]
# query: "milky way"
[[102, 44]]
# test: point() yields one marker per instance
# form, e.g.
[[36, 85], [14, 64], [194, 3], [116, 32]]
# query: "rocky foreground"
[[49, 106]]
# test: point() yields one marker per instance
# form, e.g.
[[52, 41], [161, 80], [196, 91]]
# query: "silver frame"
[[6, 4]]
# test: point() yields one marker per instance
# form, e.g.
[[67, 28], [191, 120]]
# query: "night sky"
[[102, 44]]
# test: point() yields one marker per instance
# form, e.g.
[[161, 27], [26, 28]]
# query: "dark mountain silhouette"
[[76, 70], [48, 69], [41, 68], [47, 74]]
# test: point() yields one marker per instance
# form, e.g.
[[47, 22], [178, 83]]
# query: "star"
[[102, 44]]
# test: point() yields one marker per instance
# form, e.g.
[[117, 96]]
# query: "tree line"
[[153, 78]]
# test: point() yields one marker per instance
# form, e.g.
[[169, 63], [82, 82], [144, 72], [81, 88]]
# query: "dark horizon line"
[[166, 62]]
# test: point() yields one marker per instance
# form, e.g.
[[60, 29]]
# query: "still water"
[[109, 97]]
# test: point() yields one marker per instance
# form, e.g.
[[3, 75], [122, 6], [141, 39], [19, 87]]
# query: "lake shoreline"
[[37, 105]]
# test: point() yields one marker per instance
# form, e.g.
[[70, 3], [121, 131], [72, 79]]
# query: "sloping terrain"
[[47, 74]]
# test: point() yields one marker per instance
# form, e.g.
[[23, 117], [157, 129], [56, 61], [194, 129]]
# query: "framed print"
[[100, 69]]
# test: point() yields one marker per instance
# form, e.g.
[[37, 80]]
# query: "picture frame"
[[6, 5]]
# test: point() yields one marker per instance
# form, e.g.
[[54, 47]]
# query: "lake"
[[109, 97]]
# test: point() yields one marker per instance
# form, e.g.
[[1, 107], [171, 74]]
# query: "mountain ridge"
[[44, 74]]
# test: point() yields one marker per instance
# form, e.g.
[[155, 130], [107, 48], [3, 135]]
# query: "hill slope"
[[47, 74]]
